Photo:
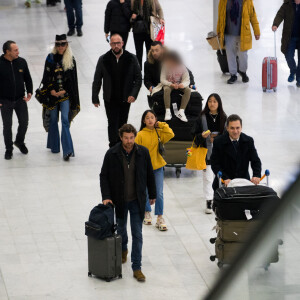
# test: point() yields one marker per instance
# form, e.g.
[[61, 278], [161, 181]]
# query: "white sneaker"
[[208, 209], [147, 218], [181, 115], [160, 224], [168, 115]]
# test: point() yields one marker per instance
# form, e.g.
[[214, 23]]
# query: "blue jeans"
[[290, 57], [159, 203], [53, 134], [72, 5], [136, 224]]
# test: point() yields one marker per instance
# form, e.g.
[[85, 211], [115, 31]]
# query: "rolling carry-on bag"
[[269, 71], [222, 59], [243, 203]]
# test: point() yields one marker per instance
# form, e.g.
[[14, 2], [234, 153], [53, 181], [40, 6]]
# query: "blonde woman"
[[60, 79]]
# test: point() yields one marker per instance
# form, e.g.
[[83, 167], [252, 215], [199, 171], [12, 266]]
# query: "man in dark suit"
[[232, 152]]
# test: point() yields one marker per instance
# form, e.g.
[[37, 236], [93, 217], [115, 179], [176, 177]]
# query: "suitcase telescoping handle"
[[115, 218], [275, 44], [266, 175]]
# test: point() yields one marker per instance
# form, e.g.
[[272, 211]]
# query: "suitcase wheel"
[[212, 257], [280, 242], [120, 276], [264, 89], [178, 172], [267, 267], [220, 265], [108, 279], [212, 240], [275, 89], [89, 274]]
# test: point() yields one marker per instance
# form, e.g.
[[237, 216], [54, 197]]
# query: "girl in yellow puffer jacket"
[[150, 133]]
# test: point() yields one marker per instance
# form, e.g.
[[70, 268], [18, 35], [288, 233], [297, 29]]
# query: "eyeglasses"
[[62, 44], [116, 44]]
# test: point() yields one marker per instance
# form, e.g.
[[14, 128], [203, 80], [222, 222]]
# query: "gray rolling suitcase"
[[105, 257]]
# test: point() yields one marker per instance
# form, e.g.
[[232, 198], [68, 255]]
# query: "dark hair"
[[156, 43], [233, 118], [143, 125], [128, 128], [7, 46], [221, 112], [174, 56]]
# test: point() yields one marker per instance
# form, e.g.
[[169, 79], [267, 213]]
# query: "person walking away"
[[174, 75], [289, 12], [233, 29], [74, 16], [117, 19], [125, 175], [233, 152], [14, 77], [212, 118], [122, 79], [142, 11], [60, 79], [151, 134]]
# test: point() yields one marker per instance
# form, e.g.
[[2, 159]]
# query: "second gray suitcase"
[[105, 257]]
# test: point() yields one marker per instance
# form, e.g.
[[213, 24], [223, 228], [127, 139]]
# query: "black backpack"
[[101, 222]]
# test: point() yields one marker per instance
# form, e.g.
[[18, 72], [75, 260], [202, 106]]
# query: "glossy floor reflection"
[[45, 201]]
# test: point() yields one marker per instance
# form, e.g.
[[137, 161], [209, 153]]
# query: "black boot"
[[232, 79], [22, 147], [71, 32], [245, 78], [8, 154], [79, 32]]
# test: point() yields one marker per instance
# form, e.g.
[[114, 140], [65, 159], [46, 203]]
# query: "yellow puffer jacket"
[[248, 15], [149, 139]]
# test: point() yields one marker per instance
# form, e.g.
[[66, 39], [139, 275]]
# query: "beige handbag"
[[213, 40]]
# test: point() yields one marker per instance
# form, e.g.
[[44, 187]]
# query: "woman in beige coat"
[[142, 11]]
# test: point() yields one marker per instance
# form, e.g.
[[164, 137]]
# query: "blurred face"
[[150, 120], [213, 104], [297, 1], [128, 140], [13, 53], [116, 44], [170, 63], [234, 129], [157, 51], [61, 47]]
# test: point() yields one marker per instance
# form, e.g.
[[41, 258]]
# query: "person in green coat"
[[289, 12]]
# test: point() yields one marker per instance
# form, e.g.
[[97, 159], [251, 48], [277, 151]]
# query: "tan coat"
[[248, 16]]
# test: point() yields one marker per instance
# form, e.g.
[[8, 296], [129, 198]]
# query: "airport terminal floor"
[[44, 201]]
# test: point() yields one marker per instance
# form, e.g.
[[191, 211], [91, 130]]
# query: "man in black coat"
[[122, 80], [126, 173], [14, 77], [232, 152], [117, 19]]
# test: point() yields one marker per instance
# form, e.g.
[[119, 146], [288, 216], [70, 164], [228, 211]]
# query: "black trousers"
[[7, 108], [139, 40], [124, 36], [117, 115]]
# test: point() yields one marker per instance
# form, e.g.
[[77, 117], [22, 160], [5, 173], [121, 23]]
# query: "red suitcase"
[[269, 72]]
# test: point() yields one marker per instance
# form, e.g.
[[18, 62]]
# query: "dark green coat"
[[286, 13]]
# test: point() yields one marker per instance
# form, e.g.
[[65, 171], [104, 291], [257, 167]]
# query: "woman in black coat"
[[117, 19], [210, 124], [60, 80]]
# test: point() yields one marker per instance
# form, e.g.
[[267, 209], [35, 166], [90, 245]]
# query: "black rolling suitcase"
[[104, 246], [222, 59], [238, 203]]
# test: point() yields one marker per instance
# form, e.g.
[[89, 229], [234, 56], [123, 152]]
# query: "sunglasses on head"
[[60, 44]]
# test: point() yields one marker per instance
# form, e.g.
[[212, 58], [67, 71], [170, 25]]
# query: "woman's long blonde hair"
[[67, 60]]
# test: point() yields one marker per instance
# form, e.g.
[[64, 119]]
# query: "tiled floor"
[[44, 201]]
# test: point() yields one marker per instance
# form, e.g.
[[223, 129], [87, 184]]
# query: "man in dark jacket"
[[232, 152], [122, 80], [117, 19], [289, 12], [14, 74], [126, 173]]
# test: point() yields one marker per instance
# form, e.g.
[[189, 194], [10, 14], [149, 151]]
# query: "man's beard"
[[117, 52]]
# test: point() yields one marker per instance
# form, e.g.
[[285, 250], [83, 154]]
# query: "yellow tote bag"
[[196, 158]]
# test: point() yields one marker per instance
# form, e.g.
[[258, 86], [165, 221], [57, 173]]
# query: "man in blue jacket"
[[233, 152], [14, 77]]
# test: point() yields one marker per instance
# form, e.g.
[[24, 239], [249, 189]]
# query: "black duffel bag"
[[101, 222], [234, 203]]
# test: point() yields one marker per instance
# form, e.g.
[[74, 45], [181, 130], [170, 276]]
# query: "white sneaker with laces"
[[181, 115], [147, 218], [160, 224], [168, 115]]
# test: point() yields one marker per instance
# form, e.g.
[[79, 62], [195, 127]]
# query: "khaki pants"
[[184, 100]]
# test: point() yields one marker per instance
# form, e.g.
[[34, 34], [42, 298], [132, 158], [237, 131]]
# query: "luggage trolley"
[[231, 234]]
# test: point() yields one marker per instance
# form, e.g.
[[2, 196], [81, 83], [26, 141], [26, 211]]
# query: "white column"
[[215, 14]]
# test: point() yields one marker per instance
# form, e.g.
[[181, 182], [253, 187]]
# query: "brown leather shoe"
[[124, 256], [139, 275]]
